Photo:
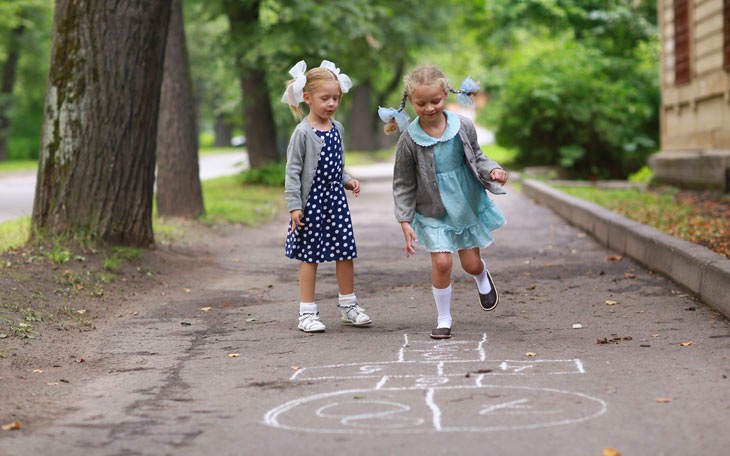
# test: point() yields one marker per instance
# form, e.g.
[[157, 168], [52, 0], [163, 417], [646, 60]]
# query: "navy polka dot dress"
[[327, 231]]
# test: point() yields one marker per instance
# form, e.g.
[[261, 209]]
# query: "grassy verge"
[[18, 165], [699, 217], [220, 150], [360, 158], [14, 233]]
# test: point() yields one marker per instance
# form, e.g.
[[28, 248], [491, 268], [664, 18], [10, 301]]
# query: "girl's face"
[[323, 101], [428, 101]]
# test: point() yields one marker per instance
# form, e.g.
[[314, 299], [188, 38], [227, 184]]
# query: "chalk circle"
[[483, 408]]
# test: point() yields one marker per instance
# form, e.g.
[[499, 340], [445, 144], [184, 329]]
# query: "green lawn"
[[18, 165], [14, 233]]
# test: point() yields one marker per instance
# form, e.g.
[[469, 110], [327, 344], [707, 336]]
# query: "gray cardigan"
[[302, 157], [415, 188]]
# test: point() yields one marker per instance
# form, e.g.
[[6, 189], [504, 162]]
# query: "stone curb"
[[700, 270]]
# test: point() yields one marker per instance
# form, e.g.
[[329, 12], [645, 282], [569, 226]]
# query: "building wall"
[[695, 115]]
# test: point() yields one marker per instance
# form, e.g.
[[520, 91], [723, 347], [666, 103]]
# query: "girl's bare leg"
[[471, 262], [345, 271], [307, 281], [441, 269]]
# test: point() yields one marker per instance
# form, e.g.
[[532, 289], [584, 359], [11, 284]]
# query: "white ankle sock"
[[307, 307], [482, 280], [347, 300], [443, 305]]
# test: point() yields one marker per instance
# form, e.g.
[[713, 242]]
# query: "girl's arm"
[[294, 165], [488, 168], [404, 182]]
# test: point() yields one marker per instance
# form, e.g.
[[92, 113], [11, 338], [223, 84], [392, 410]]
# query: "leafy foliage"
[[272, 175]]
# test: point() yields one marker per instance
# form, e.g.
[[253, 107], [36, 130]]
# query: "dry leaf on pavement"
[[530, 354], [613, 258], [206, 309], [663, 400], [611, 303], [684, 344], [295, 368], [11, 426], [234, 355], [611, 452]]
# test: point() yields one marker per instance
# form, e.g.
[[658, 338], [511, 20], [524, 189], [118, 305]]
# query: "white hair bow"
[[294, 93], [345, 83]]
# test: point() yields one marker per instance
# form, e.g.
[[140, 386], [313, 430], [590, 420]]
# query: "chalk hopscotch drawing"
[[435, 386]]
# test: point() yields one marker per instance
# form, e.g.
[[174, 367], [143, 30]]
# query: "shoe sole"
[[312, 330], [358, 324], [440, 337]]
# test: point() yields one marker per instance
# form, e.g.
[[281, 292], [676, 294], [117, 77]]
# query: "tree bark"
[[362, 119], [223, 131], [97, 157], [178, 181], [10, 69], [258, 118]]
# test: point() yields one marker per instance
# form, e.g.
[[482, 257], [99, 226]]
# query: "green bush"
[[272, 175], [570, 105]]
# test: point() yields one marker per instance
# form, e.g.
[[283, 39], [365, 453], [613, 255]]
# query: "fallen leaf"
[[236, 260], [358, 396], [629, 275], [37, 371], [250, 319], [79, 286], [206, 309], [11, 426], [655, 335], [187, 290], [613, 258], [53, 384], [23, 325], [685, 344], [531, 287], [548, 265], [530, 354], [528, 262], [81, 311], [80, 360], [611, 303], [225, 304], [663, 400], [295, 368], [234, 355], [581, 235], [611, 452]]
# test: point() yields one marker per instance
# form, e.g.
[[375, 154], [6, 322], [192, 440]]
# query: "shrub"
[[273, 175]]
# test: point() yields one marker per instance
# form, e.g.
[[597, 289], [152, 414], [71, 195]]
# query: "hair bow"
[[401, 116], [294, 93], [468, 86], [345, 83]]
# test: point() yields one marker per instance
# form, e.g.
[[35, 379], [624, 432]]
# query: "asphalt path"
[[646, 373], [17, 189]]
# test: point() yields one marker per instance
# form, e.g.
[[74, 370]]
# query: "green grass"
[[360, 158], [18, 165], [502, 155], [227, 201], [14, 233], [220, 150]]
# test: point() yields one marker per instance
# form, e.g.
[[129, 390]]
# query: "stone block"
[[715, 289]]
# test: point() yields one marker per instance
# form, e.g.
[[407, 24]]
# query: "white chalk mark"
[[381, 382], [480, 348], [435, 410], [579, 365], [440, 368], [401, 354], [299, 371], [382, 420], [511, 404]]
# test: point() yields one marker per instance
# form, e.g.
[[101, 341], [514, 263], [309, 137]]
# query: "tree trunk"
[[362, 119], [178, 180], [97, 160], [223, 131], [6, 88], [258, 118]]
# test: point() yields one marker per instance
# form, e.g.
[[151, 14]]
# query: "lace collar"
[[421, 138]]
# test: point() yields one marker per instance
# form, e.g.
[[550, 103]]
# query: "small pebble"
[[577, 326]]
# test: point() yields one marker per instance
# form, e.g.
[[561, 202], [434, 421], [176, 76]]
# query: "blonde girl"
[[320, 229], [439, 180]]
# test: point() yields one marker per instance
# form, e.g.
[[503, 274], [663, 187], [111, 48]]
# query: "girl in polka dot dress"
[[320, 229]]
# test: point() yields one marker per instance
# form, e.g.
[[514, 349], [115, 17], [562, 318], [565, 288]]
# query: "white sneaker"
[[355, 315], [310, 323]]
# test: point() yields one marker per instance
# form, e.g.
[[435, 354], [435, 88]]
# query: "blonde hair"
[[315, 78], [426, 75]]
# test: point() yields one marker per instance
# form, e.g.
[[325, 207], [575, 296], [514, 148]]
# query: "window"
[[681, 41]]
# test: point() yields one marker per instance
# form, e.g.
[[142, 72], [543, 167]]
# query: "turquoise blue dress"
[[470, 214]]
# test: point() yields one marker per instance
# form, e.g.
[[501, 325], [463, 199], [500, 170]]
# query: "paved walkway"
[[517, 381]]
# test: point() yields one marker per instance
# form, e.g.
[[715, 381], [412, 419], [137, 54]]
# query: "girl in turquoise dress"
[[439, 184]]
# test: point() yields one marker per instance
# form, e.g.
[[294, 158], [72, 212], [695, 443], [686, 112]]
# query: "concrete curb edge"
[[700, 270]]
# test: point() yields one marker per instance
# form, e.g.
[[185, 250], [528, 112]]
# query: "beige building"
[[695, 85]]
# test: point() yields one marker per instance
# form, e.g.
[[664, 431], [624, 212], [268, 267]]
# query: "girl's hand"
[[296, 219], [499, 175], [354, 185], [410, 236]]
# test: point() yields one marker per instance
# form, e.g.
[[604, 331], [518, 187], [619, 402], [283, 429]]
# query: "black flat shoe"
[[441, 333], [490, 300]]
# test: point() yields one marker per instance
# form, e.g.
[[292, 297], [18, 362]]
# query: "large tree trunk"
[[258, 118], [10, 69], [97, 160], [362, 119], [223, 131], [178, 180]]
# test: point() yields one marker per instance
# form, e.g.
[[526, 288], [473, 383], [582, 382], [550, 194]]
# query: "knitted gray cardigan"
[[302, 157], [415, 188]]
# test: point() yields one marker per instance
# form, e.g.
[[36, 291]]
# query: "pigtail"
[[290, 97], [468, 89], [392, 124]]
